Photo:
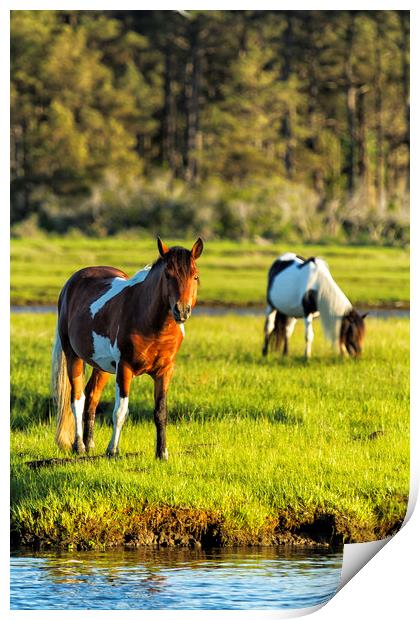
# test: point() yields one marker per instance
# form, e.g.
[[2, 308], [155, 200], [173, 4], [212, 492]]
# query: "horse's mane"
[[177, 260], [332, 302]]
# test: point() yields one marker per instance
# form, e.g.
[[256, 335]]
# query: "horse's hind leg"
[[288, 331], [270, 321], [93, 392], [75, 367]]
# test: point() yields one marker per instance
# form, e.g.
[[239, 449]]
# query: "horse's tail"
[[278, 334], [61, 392], [275, 336]]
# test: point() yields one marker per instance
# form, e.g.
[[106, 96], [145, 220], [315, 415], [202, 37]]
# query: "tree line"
[[230, 123]]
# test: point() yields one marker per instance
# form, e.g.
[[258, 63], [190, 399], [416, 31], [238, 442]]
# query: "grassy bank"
[[261, 451], [231, 273]]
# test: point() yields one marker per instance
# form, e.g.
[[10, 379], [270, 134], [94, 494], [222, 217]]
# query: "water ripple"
[[174, 579]]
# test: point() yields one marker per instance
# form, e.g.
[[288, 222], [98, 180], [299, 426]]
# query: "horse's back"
[[88, 283], [81, 290], [288, 282]]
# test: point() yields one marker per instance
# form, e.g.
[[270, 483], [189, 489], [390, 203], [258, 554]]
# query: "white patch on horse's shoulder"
[[140, 276], [287, 256], [104, 353], [118, 285]]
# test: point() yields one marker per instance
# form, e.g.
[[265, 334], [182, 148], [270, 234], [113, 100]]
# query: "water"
[[379, 313], [271, 578]]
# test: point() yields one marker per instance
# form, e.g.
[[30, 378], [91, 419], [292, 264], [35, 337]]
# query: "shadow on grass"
[[276, 360], [142, 412], [279, 415], [26, 410]]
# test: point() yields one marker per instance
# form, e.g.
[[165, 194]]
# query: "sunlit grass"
[[230, 272], [250, 439]]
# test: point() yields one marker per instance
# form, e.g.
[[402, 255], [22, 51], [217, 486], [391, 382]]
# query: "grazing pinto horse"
[[124, 326], [299, 288]]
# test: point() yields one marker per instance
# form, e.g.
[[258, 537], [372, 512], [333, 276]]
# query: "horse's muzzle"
[[354, 351], [181, 312]]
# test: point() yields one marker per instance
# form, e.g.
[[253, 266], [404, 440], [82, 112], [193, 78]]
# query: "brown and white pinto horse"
[[124, 326]]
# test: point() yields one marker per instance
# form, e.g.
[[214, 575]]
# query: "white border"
[[387, 587]]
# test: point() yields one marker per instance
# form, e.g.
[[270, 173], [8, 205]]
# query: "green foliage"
[[69, 109], [280, 124]]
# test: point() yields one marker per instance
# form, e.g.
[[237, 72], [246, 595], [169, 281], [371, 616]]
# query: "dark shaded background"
[[243, 124]]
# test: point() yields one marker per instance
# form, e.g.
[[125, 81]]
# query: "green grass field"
[[231, 273], [261, 450]]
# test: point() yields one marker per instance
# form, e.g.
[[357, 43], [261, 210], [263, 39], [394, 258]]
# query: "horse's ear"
[[162, 247], [364, 315], [197, 249]]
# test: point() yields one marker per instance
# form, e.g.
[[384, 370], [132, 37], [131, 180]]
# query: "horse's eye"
[[195, 277]]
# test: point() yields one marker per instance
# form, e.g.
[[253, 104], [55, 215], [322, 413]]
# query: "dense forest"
[[243, 124]]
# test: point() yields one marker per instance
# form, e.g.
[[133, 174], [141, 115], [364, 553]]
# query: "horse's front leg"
[[122, 390], [309, 335], [288, 331], [160, 413]]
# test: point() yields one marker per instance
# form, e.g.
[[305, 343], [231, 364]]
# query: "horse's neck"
[[332, 303], [149, 305]]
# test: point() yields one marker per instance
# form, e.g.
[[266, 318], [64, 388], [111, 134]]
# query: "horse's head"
[[352, 332], [180, 277]]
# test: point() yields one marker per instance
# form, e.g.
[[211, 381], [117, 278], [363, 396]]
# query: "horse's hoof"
[[111, 452], [79, 447], [90, 446], [163, 456]]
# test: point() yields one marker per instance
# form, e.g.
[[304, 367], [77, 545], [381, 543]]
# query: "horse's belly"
[[287, 291], [105, 354], [286, 301]]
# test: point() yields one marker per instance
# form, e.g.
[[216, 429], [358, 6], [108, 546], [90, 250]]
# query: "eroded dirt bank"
[[167, 526]]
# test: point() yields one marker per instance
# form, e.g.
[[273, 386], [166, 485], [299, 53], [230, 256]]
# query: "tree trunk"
[[312, 142], [286, 125], [363, 171], [20, 173], [192, 93], [351, 123], [379, 130], [351, 94], [169, 112], [362, 166], [405, 70]]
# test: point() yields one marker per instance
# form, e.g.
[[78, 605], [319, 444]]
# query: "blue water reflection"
[[174, 579]]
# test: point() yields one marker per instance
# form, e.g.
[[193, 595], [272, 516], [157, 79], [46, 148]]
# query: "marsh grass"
[[231, 273], [259, 448]]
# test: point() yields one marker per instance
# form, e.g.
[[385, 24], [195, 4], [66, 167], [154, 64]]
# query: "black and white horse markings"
[[299, 288]]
